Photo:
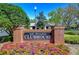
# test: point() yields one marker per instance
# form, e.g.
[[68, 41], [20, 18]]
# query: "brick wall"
[[56, 38]]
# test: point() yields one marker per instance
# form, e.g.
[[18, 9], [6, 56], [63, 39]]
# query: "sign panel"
[[37, 35]]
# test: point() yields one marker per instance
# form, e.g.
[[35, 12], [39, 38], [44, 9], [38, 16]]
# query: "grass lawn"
[[73, 39]]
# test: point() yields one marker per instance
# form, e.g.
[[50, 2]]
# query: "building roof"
[[3, 33], [50, 24], [32, 24]]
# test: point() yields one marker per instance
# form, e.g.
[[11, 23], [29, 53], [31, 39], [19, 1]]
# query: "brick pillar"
[[52, 36], [58, 35], [18, 35]]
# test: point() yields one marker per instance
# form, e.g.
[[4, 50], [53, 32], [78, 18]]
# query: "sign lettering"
[[37, 35]]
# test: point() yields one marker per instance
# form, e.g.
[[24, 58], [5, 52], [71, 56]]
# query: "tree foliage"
[[67, 16], [55, 16], [40, 20], [41, 16], [11, 17]]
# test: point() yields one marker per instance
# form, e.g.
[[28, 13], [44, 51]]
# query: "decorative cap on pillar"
[[18, 34], [20, 27], [59, 27], [58, 35]]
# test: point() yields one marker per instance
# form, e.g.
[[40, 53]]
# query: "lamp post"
[[35, 8]]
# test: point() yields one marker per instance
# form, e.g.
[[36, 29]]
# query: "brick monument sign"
[[54, 35]]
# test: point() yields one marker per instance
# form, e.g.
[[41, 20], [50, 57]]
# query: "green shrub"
[[5, 38], [69, 32], [73, 39], [72, 32]]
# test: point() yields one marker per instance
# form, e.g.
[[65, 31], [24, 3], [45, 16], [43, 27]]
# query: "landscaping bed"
[[29, 48]]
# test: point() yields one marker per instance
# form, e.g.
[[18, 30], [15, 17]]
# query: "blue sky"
[[45, 7]]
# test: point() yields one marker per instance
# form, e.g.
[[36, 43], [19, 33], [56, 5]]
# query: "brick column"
[[18, 35], [52, 36], [58, 35]]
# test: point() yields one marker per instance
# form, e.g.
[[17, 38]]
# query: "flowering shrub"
[[33, 49]]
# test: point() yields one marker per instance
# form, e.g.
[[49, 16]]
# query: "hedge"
[[5, 39], [72, 32], [73, 39]]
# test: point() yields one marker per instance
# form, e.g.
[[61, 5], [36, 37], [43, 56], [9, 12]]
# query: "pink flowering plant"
[[33, 49]]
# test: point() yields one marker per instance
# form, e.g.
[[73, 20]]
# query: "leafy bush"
[[5, 38], [69, 32], [33, 49], [73, 39], [72, 32]]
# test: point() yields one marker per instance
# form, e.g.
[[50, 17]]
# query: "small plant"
[[5, 39], [33, 49]]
